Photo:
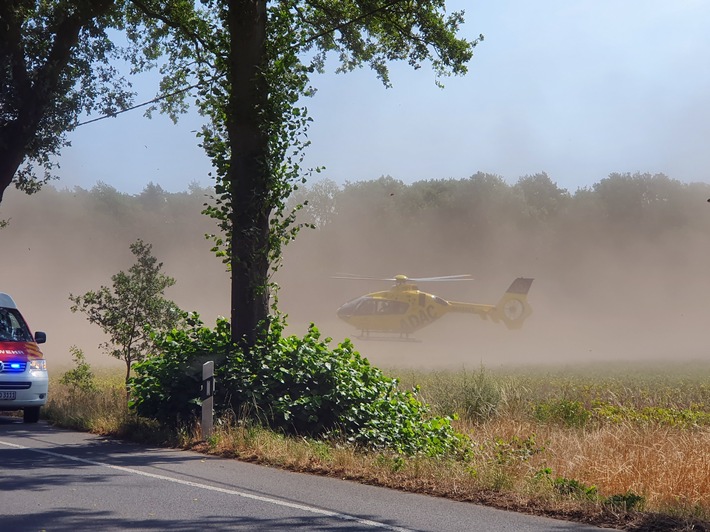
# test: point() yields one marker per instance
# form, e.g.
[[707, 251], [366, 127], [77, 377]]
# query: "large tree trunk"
[[248, 175], [12, 153]]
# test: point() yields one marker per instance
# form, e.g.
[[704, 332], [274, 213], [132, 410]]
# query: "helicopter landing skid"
[[384, 338]]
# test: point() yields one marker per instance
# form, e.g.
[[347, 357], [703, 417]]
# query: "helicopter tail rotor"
[[513, 308]]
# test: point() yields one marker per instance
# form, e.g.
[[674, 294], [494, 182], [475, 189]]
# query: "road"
[[59, 480]]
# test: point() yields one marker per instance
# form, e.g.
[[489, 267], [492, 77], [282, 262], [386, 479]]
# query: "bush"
[[562, 411], [291, 384], [625, 502], [672, 417], [568, 487], [166, 386], [81, 378]]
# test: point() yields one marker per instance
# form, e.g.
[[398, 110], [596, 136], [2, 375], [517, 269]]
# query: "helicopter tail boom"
[[512, 309]]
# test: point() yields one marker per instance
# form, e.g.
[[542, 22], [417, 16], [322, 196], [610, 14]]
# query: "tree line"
[[475, 207], [646, 202], [483, 217], [384, 225]]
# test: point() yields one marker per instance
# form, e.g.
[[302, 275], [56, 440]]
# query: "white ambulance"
[[23, 369]]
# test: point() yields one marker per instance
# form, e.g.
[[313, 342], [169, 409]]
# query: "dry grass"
[[668, 466], [557, 467], [101, 411]]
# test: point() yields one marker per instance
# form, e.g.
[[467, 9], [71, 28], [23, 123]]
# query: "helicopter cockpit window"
[[369, 306], [366, 307], [385, 306]]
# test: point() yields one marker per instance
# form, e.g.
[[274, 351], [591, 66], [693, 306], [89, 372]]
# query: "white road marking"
[[278, 502]]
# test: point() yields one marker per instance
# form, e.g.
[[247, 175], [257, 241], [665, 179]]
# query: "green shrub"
[[625, 501], [574, 488], [166, 386], [562, 411], [673, 417], [516, 449], [292, 384], [81, 378], [568, 487], [474, 396]]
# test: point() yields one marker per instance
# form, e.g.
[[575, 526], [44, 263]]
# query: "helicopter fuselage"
[[404, 309]]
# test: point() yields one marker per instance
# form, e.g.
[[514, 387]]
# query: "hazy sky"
[[575, 88]]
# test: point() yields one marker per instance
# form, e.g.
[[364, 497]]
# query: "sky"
[[578, 89]]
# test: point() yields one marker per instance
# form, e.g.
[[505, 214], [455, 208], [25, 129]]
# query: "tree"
[[319, 201], [55, 64], [544, 199], [253, 68], [644, 200], [133, 308]]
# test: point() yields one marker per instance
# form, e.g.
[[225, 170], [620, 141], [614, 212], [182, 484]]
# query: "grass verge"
[[617, 448]]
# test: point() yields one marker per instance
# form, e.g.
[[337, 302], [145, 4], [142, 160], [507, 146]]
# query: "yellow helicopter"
[[404, 309]]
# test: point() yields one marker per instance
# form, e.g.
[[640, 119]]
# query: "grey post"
[[207, 397]]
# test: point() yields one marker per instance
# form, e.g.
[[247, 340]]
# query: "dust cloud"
[[594, 299], [59, 243], [644, 303]]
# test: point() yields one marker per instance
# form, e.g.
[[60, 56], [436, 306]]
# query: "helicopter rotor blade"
[[462, 277], [353, 277]]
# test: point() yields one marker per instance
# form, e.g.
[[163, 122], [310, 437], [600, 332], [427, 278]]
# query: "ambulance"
[[23, 369]]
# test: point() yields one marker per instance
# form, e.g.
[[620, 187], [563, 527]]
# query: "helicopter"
[[404, 309]]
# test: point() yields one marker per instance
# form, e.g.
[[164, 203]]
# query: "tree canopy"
[[56, 59], [251, 62], [254, 67]]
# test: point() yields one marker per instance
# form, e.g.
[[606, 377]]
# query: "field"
[[620, 445]]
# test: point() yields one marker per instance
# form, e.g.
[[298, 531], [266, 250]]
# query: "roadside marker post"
[[207, 396]]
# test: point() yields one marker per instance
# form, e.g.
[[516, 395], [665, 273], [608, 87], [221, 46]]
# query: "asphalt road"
[[58, 480]]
